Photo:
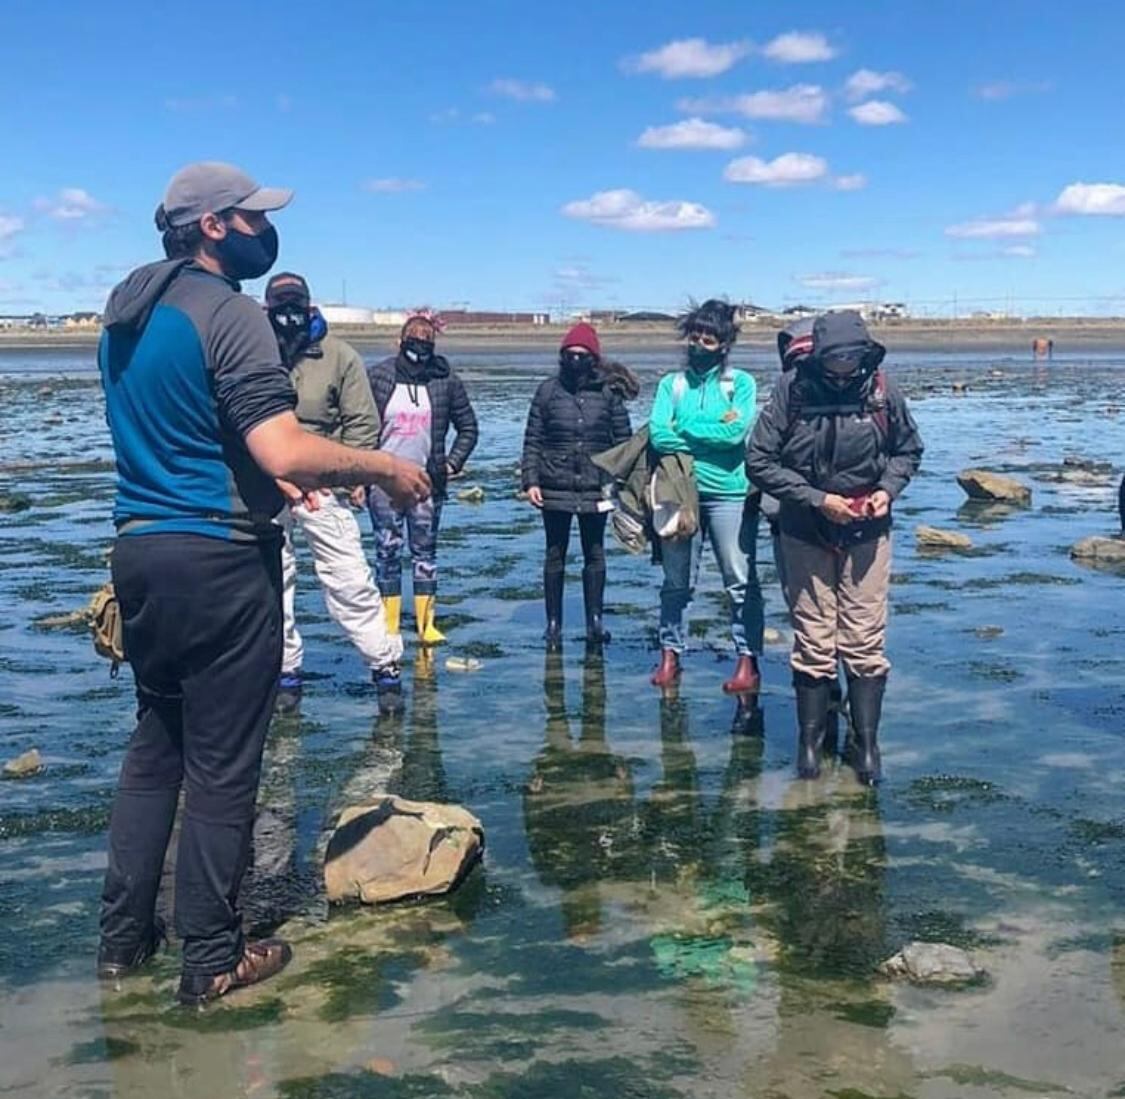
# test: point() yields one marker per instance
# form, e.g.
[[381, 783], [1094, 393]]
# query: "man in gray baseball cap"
[[200, 408]]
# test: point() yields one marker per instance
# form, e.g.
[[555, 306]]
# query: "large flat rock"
[[394, 849], [980, 484]]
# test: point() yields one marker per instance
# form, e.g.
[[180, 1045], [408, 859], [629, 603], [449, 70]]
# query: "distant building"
[[390, 318], [346, 314], [82, 320], [469, 318]]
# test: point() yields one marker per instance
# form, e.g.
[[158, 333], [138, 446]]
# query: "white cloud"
[[9, 226], [688, 57], [625, 209], [839, 281], [796, 48], [484, 118], [787, 170], [1092, 198], [70, 204], [854, 182], [865, 82], [877, 112], [1020, 222], [522, 90], [805, 103], [392, 185], [693, 133], [1007, 89], [445, 116], [1019, 251]]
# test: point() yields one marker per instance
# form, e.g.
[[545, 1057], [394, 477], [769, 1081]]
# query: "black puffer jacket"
[[812, 439], [567, 424], [449, 404]]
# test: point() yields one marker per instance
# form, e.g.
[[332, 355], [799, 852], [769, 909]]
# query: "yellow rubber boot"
[[392, 604], [428, 633]]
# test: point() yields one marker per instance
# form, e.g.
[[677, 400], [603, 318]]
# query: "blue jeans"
[[732, 527]]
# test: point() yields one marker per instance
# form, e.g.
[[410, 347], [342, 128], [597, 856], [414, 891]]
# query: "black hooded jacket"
[[814, 438], [569, 422], [449, 404]]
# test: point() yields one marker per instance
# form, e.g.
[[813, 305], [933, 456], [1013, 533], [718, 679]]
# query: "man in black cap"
[[333, 400], [200, 408]]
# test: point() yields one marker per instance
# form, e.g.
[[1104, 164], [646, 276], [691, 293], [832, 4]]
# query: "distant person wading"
[[706, 411], [333, 400], [200, 409], [836, 445], [575, 414]]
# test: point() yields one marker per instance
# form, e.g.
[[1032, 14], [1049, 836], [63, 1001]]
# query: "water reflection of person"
[[578, 804], [822, 898], [423, 772]]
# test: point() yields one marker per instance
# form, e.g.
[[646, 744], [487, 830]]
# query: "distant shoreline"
[[1071, 334]]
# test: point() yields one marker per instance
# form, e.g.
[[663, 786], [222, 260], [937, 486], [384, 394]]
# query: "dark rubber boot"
[[116, 962], [748, 718], [388, 688], [812, 715], [866, 698], [593, 592], [747, 680], [832, 721], [667, 673], [553, 583]]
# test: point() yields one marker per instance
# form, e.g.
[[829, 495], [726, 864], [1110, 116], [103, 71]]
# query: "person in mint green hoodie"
[[707, 411]]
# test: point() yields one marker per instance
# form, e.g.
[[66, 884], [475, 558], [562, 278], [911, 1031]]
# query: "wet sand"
[[663, 910]]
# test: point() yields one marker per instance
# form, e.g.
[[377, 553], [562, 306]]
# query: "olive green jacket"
[[333, 394]]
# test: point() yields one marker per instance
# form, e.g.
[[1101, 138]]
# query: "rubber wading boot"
[[747, 680], [667, 673], [553, 583], [748, 718], [388, 687], [115, 962], [832, 722], [812, 715], [260, 961], [289, 689], [424, 609], [593, 592], [866, 698], [392, 604]]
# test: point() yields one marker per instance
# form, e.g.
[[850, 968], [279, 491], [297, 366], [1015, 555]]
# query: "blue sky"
[[523, 155]]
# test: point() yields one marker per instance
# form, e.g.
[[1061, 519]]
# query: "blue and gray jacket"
[[189, 366]]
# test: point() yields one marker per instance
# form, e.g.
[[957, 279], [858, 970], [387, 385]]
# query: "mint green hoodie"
[[692, 423]]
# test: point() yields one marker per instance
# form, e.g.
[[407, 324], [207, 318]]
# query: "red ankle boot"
[[747, 680], [668, 672]]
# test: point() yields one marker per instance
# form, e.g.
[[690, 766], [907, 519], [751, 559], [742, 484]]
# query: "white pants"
[[350, 595]]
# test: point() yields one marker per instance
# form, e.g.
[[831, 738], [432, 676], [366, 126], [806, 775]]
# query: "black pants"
[[591, 530], [203, 633]]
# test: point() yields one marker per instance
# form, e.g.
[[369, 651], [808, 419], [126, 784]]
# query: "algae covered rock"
[[16, 502], [473, 495], [933, 964], [980, 484], [1099, 548], [394, 849], [30, 763], [933, 538]]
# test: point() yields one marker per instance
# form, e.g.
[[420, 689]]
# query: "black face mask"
[[418, 352], [291, 325], [701, 359], [247, 255], [577, 364]]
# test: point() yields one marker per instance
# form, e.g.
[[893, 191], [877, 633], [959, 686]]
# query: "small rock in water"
[[933, 964], [16, 502], [980, 484], [960, 387], [474, 495], [932, 538], [30, 763], [1091, 465], [773, 637], [989, 633], [394, 849], [1099, 548], [463, 664], [63, 621]]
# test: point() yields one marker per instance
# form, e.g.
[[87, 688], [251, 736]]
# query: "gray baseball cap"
[[211, 186]]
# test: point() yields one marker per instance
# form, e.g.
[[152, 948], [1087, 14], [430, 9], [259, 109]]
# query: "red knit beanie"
[[583, 335]]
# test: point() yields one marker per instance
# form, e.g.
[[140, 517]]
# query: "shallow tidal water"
[[662, 910]]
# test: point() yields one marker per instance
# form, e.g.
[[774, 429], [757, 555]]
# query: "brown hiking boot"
[[747, 680], [667, 673], [260, 961]]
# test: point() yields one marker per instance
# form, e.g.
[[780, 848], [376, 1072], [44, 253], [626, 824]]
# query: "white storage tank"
[[346, 314]]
